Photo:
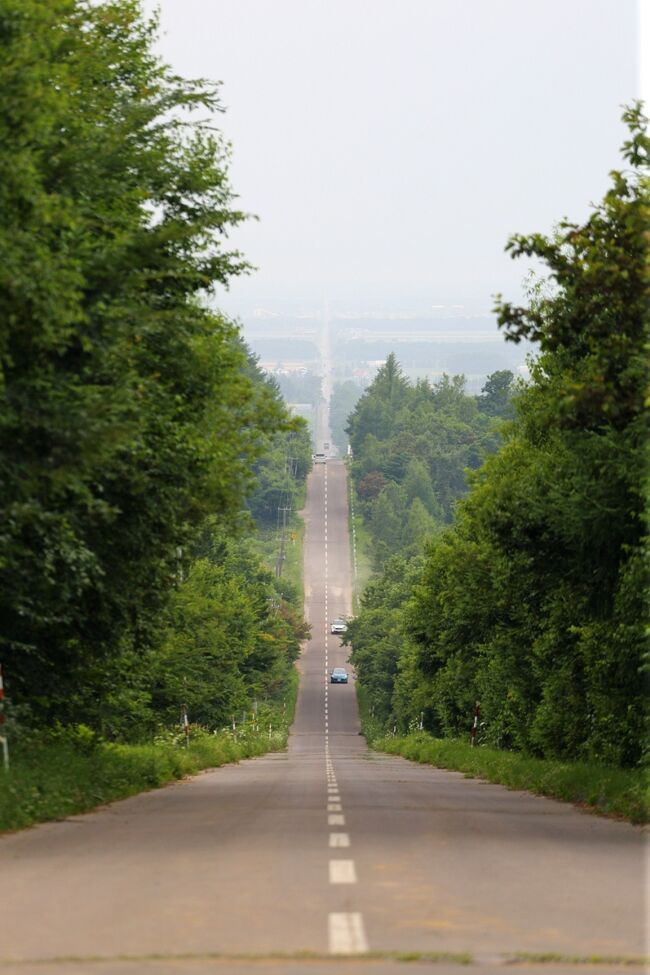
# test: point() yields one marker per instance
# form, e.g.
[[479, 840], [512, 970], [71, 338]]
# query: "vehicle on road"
[[338, 626], [320, 458], [339, 676]]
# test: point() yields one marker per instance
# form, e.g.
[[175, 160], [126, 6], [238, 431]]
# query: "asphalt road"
[[329, 850]]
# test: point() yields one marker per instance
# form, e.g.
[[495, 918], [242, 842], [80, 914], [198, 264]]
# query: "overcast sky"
[[389, 147]]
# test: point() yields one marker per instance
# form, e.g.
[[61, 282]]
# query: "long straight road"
[[328, 849]]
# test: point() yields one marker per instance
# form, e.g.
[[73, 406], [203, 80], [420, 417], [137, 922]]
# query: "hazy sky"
[[390, 147]]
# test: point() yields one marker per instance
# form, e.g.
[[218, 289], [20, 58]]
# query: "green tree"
[[545, 621], [419, 525], [376, 409], [126, 411], [533, 601], [417, 485], [496, 395]]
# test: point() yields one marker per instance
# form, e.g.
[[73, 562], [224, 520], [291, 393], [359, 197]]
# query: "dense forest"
[[411, 445], [137, 433], [530, 594]]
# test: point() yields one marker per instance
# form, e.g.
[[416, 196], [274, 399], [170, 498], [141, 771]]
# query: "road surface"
[[328, 849]]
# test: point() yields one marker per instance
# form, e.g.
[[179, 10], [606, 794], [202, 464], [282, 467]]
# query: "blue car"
[[339, 676]]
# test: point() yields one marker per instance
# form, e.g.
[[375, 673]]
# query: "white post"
[[185, 725]]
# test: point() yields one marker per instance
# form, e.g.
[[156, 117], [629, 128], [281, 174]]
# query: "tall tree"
[[547, 562], [534, 600], [126, 414]]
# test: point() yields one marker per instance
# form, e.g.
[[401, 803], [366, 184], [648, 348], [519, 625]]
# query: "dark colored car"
[[339, 676]]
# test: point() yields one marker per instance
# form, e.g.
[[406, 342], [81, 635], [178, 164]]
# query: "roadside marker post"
[[3, 738], [474, 731], [185, 725]]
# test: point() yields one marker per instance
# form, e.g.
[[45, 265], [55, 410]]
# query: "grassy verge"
[[610, 791], [294, 560], [268, 545], [359, 548], [72, 771]]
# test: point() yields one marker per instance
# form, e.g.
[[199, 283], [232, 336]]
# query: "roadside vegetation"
[[529, 596], [141, 446], [60, 771], [611, 791]]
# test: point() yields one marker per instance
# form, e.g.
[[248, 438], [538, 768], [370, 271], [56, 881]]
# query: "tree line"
[[412, 444], [133, 420], [529, 597]]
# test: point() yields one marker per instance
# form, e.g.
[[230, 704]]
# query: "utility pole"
[[283, 540]]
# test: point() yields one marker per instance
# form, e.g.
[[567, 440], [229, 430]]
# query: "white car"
[[338, 626], [319, 458]]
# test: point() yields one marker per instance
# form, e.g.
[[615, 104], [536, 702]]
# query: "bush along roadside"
[[611, 791], [72, 770]]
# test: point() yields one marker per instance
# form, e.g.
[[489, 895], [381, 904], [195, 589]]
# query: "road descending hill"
[[329, 849]]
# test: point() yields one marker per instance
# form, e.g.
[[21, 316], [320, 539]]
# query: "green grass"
[[294, 560], [267, 541], [364, 567], [610, 791], [71, 771]]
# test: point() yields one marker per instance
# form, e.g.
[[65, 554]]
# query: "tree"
[[419, 525], [376, 409], [371, 485], [126, 411], [417, 485], [496, 395], [536, 598]]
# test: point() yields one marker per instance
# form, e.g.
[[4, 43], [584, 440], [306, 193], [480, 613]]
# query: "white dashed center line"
[[342, 872], [339, 839], [346, 934]]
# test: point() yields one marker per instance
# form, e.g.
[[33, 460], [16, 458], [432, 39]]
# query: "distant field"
[[471, 346], [287, 349], [474, 358], [457, 325]]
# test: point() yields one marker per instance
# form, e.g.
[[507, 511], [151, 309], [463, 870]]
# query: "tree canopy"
[[129, 413], [411, 446], [534, 600]]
